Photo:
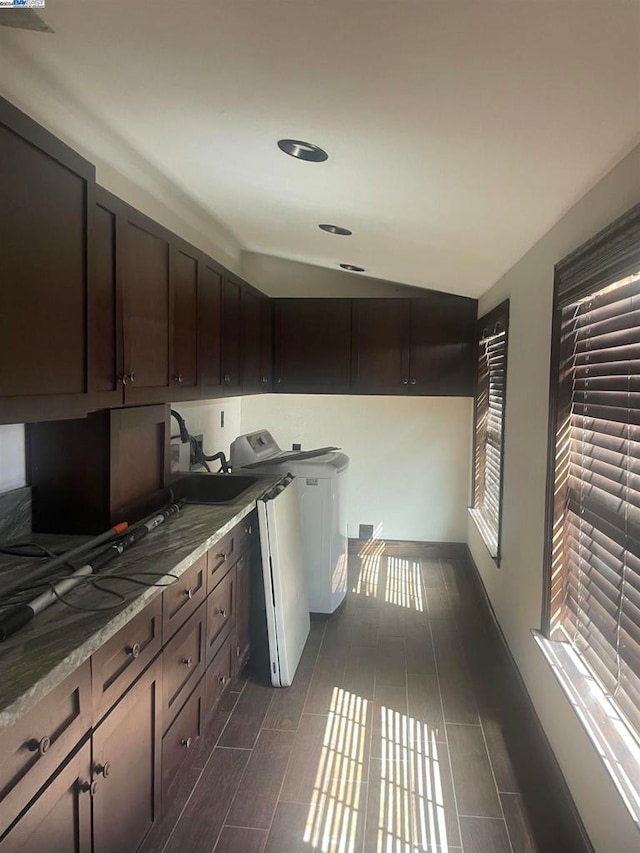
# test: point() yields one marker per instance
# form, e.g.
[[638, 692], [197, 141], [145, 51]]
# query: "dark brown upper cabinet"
[[442, 345], [257, 341], [381, 346], [231, 334], [105, 307], [210, 328], [420, 346], [312, 346], [186, 264], [266, 344], [46, 267], [147, 308]]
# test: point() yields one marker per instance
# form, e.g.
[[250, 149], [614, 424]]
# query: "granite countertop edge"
[[43, 684]]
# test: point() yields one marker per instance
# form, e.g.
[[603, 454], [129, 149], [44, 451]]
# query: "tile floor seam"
[[286, 770], [493, 775], [435, 660], [224, 820]]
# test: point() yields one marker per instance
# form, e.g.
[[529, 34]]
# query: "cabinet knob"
[[186, 742], [278, 381], [413, 381], [222, 612], [103, 769], [40, 746], [188, 593], [123, 379], [188, 662], [264, 380], [132, 377], [134, 650], [227, 378], [89, 787], [222, 679], [237, 651], [405, 381], [179, 378]]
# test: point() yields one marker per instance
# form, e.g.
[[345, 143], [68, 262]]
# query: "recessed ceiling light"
[[336, 229], [302, 150], [351, 268]]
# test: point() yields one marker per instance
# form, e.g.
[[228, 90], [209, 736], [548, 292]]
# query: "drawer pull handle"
[[222, 679], [188, 662], [103, 769], [222, 612], [186, 742], [134, 650], [189, 592], [89, 787], [40, 746]]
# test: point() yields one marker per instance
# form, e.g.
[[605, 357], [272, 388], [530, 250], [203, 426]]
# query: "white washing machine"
[[322, 482]]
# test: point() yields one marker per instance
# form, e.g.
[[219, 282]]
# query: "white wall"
[[516, 588], [282, 277], [410, 457], [205, 418], [12, 468]]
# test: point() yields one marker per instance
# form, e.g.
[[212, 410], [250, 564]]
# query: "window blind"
[[489, 425], [594, 596]]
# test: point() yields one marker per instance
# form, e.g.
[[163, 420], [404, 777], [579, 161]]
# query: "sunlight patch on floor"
[[404, 584], [333, 814]]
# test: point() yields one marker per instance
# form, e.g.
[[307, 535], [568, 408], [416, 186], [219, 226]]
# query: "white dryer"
[[322, 487]]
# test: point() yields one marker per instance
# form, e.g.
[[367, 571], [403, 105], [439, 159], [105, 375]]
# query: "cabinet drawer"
[[221, 613], [183, 663], [218, 675], [32, 749], [224, 553], [181, 599], [182, 739], [117, 664]]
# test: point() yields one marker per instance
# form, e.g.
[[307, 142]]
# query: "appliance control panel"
[[253, 447]]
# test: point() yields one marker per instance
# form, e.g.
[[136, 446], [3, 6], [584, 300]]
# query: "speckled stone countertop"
[[42, 654]]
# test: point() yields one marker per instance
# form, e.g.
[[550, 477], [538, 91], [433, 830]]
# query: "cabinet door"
[[105, 308], [266, 345], [251, 341], [381, 329], [147, 309], [231, 334], [312, 345], [126, 767], [185, 264], [46, 215], [243, 611], [60, 819], [442, 345], [210, 328]]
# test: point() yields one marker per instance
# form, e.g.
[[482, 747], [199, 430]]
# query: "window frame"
[[497, 316], [606, 259]]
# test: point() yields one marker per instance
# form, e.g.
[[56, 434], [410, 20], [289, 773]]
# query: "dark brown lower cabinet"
[[60, 819], [181, 739], [219, 674], [126, 767], [243, 612]]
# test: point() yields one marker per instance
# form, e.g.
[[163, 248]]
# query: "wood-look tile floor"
[[390, 739]]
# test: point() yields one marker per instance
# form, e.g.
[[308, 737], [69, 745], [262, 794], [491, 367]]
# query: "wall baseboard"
[[530, 729], [406, 548]]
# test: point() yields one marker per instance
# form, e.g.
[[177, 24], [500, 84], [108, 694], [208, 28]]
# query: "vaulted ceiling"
[[458, 132]]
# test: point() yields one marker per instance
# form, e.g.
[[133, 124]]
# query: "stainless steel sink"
[[210, 488]]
